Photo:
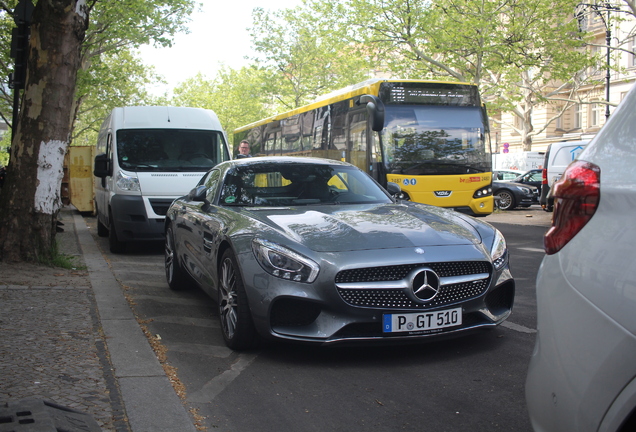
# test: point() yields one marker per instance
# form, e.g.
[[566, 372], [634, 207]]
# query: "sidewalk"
[[70, 337]]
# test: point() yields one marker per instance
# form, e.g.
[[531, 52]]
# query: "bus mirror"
[[102, 166], [375, 108]]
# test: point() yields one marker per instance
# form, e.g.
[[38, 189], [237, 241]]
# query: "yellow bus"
[[430, 137]]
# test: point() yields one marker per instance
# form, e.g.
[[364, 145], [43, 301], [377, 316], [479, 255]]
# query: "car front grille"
[[397, 298], [393, 273]]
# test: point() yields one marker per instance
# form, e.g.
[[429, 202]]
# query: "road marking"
[[517, 327], [529, 249], [216, 385]]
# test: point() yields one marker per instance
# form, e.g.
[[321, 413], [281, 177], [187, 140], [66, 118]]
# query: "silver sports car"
[[314, 250]]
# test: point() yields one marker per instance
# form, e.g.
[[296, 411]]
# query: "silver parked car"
[[316, 251], [582, 374]]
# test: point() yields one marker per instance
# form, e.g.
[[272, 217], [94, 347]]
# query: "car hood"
[[362, 227]]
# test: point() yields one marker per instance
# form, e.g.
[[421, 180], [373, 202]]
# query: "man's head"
[[244, 148]]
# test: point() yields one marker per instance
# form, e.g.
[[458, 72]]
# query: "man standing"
[[244, 150]]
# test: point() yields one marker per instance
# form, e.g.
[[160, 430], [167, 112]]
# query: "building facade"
[[585, 112]]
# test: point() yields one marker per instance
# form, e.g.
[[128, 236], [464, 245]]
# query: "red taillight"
[[576, 198], [544, 176]]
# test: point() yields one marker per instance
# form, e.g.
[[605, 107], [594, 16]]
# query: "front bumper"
[[331, 312], [136, 217]]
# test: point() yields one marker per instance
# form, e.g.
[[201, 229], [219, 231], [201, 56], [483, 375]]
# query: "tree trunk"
[[30, 199]]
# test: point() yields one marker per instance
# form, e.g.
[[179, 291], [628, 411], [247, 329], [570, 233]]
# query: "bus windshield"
[[435, 140]]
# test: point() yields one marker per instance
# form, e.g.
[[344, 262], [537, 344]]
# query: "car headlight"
[[525, 190], [499, 250], [126, 182], [284, 263]]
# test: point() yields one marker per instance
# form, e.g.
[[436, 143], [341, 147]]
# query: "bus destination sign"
[[432, 95]]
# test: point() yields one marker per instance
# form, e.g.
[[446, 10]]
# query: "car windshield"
[[294, 184]]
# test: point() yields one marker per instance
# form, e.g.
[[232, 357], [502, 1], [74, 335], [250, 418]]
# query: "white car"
[[582, 374]]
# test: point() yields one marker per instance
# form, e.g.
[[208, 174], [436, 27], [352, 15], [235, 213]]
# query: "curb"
[[150, 401]]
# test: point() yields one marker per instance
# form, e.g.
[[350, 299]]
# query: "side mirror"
[[375, 108], [198, 194], [103, 167], [394, 189]]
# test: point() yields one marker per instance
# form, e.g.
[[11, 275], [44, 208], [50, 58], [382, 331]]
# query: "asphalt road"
[[472, 383]]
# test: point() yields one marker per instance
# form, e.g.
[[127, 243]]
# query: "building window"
[[631, 58], [558, 122], [596, 52], [596, 113], [577, 121]]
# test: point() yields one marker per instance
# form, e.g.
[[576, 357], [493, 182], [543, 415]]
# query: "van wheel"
[[115, 245], [175, 275], [102, 230]]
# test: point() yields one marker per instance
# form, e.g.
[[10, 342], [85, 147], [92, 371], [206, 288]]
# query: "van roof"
[[165, 117]]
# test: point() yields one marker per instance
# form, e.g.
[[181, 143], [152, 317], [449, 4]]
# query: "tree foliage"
[[238, 97], [111, 72], [304, 56], [519, 52], [114, 79], [77, 70]]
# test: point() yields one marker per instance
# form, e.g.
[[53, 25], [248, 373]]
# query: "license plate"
[[421, 321]]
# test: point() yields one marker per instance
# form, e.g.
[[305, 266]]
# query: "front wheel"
[[505, 200], [102, 230], [116, 246], [234, 311], [175, 275]]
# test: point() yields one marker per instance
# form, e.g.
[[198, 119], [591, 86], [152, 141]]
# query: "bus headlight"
[[483, 192]]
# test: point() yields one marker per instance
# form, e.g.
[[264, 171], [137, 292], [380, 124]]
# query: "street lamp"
[[599, 9]]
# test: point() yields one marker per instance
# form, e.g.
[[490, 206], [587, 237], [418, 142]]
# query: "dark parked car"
[[532, 178], [314, 250], [508, 195]]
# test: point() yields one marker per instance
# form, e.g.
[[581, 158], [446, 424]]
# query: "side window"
[[510, 176], [211, 182]]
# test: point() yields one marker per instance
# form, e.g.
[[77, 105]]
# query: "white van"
[[557, 158], [146, 157]]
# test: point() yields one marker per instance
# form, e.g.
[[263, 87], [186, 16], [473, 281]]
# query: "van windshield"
[[170, 149]]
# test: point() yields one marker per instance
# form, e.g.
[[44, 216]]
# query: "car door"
[[204, 224]]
